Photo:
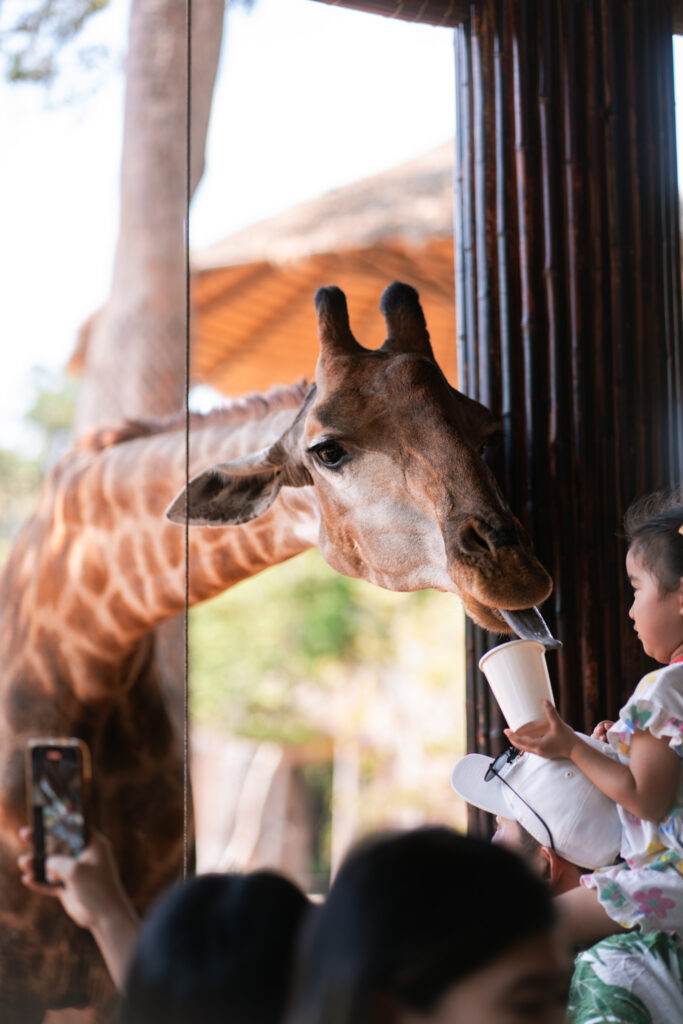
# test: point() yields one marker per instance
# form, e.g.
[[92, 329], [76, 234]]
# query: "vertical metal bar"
[[186, 668]]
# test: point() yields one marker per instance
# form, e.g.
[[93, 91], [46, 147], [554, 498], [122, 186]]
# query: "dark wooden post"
[[568, 284]]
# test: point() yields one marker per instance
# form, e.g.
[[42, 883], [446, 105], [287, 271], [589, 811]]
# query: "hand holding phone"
[[58, 778], [91, 892]]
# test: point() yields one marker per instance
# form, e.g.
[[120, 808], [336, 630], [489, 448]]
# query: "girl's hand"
[[600, 730], [558, 740]]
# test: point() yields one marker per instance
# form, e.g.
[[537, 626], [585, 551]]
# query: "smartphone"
[[58, 783]]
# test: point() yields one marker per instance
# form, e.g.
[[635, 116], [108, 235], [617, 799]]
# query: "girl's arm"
[[646, 787]]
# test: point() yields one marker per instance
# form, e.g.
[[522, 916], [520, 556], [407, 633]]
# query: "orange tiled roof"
[[254, 323]]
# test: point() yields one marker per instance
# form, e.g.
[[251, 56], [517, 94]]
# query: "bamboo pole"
[[569, 316]]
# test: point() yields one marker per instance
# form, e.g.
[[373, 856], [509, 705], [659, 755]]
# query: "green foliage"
[[52, 413], [33, 40], [20, 475], [317, 779], [265, 654], [53, 408], [38, 38], [19, 482], [252, 645]]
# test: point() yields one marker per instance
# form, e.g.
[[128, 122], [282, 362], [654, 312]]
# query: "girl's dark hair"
[[214, 949], [652, 526], [408, 916]]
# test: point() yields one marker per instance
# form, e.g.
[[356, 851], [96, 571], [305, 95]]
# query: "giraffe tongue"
[[529, 624]]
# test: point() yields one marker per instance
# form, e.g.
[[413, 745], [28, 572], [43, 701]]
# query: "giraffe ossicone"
[[392, 453]]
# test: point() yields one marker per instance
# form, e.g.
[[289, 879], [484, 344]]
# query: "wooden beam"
[[446, 13], [677, 17]]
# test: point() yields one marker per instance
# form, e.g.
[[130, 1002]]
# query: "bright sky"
[[309, 97]]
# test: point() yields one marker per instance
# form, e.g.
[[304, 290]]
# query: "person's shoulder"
[[656, 704], [666, 677], [672, 671], [637, 975], [620, 953]]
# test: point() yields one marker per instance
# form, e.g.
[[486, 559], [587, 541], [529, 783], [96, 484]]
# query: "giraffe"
[[377, 462], [393, 453]]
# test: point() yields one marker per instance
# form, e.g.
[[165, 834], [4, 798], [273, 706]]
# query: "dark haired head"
[[652, 526], [218, 948], [409, 916]]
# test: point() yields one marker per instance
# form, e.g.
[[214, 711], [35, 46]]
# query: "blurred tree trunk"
[[135, 360], [135, 355]]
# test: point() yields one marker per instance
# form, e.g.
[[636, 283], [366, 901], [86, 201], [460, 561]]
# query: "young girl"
[[646, 889]]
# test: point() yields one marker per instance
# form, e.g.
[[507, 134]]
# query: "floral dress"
[[646, 889]]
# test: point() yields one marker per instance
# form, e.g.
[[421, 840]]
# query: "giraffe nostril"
[[475, 539]]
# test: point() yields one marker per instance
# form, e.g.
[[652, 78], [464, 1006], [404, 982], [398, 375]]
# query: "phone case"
[[58, 782]]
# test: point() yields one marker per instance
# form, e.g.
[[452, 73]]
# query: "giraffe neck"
[[99, 565], [89, 576]]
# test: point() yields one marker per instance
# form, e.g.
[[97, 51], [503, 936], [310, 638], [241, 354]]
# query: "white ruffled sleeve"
[[655, 705]]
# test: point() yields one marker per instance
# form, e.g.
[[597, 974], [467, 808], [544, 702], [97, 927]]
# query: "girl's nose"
[[631, 614]]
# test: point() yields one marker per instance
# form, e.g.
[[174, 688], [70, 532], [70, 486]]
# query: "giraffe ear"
[[236, 492], [230, 493], [219, 497]]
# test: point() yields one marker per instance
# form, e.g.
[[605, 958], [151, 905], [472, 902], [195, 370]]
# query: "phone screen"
[[57, 801]]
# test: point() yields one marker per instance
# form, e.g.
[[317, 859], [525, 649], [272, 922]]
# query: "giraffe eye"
[[329, 453], [491, 442]]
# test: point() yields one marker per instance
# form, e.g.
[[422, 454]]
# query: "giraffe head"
[[393, 453]]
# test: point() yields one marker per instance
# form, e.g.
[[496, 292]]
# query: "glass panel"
[[321, 706]]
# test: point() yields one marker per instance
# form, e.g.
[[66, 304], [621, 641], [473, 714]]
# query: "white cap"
[[583, 821]]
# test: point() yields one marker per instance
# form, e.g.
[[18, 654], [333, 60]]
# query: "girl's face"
[[657, 614], [527, 985]]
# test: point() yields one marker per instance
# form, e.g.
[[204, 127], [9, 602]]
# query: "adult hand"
[[90, 890], [558, 739], [600, 730], [88, 886]]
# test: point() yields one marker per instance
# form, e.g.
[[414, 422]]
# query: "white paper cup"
[[518, 676]]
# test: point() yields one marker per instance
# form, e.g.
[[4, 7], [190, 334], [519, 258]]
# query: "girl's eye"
[[329, 453]]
